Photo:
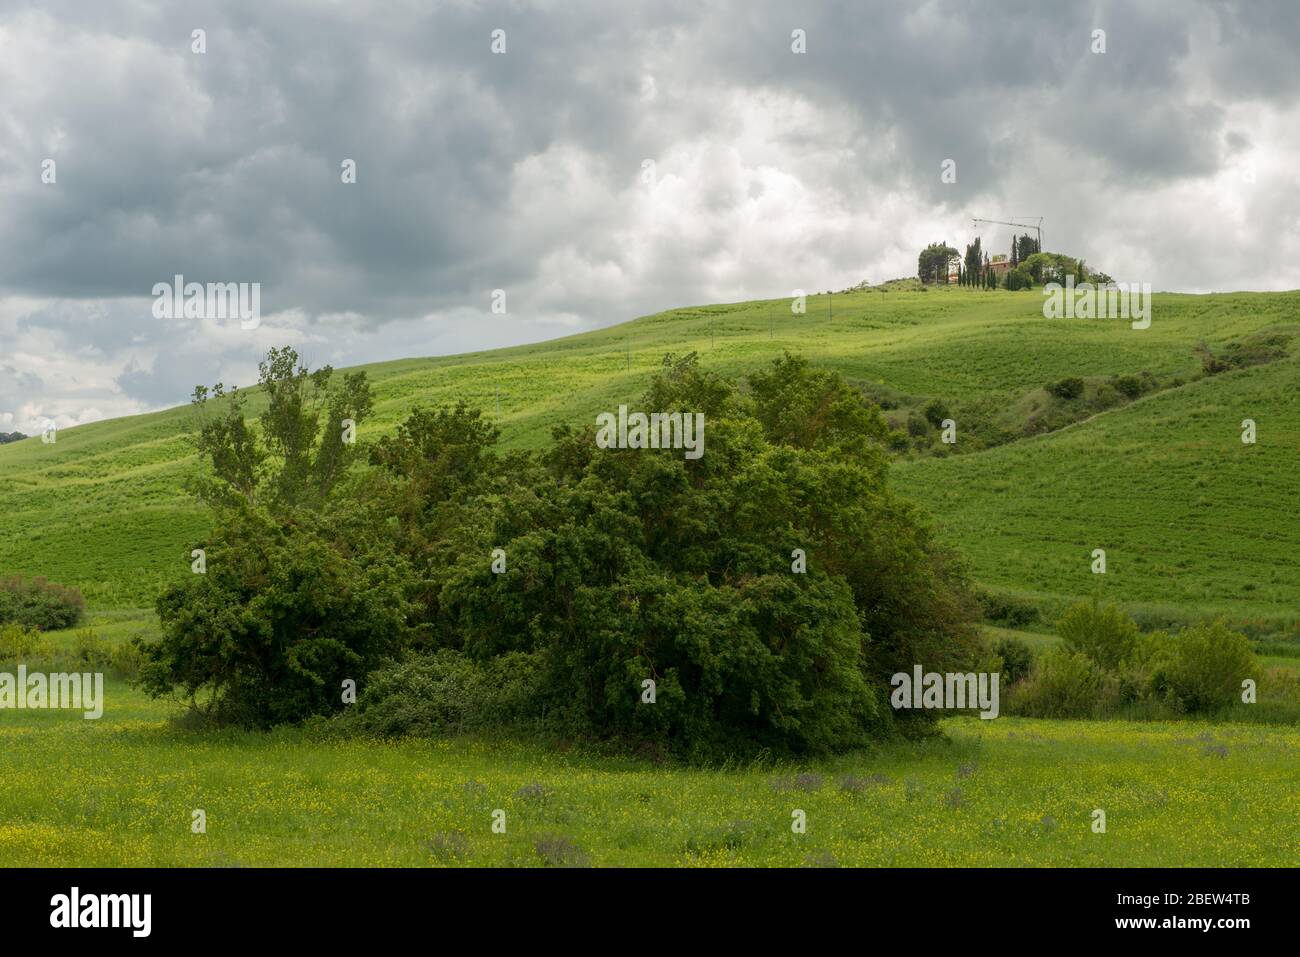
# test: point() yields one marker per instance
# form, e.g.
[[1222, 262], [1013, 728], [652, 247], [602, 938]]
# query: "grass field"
[[1009, 792], [1192, 521]]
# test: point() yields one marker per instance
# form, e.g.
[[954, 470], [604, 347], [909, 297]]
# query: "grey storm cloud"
[[522, 171]]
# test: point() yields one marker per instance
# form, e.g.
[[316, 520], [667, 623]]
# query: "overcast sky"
[[1171, 158]]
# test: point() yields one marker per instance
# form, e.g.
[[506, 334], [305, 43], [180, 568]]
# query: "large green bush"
[[285, 613], [767, 589], [633, 565], [1201, 668], [37, 603]]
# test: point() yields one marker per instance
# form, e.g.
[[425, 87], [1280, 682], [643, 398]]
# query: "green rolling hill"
[[1188, 515]]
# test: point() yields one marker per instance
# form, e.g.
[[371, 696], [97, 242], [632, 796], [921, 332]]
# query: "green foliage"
[[125, 659], [1197, 669], [1064, 684], [301, 452], [1071, 387], [91, 651], [622, 566], [447, 692], [1050, 267], [935, 411], [20, 642], [39, 604], [1104, 633], [973, 262], [797, 404], [1201, 668], [1007, 609], [1252, 351], [627, 566], [1019, 277], [1017, 659], [932, 264], [289, 608], [1129, 386]]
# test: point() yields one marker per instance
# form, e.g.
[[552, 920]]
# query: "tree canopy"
[[768, 589]]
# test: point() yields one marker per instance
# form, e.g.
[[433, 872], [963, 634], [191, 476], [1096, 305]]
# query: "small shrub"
[[534, 793], [1107, 397], [19, 642], [820, 858], [1253, 351], [1017, 659], [40, 604], [935, 411], [1129, 386], [1064, 684], [1256, 350], [556, 851], [125, 659], [1102, 632], [1204, 666], [1162, 617], [448, 847], [1007, 609], [1070, 387], [91, 650], [853, 783]]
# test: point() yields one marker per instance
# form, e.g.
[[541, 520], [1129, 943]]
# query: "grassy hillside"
[[1188, 515], [1185, 511]]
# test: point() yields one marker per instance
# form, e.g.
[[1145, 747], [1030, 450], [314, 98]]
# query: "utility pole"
[[710, 332], [831, 304], [1002, 222], [497, 389]]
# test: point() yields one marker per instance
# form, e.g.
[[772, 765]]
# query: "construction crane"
[[1002, 222]]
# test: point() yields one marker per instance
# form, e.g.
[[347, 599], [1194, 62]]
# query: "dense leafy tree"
[[973, 262], [934, 262], [768, 588], [284, 614], [303, 447], [1050, 267]]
